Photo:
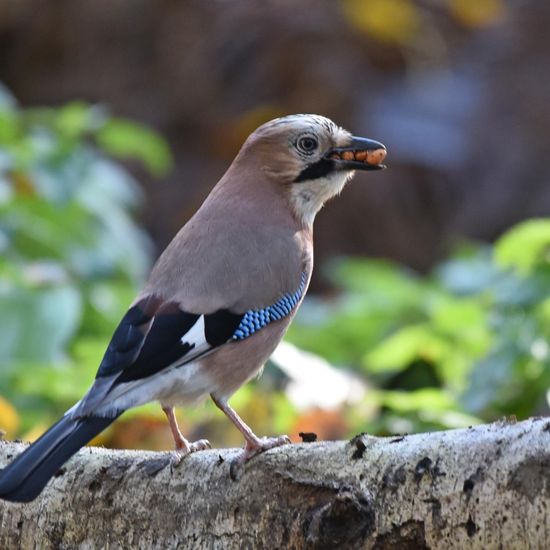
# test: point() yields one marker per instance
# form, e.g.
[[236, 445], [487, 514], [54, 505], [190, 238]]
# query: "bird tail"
[[27, 475]]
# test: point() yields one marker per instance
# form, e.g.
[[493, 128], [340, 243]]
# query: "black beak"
[[360, 154]]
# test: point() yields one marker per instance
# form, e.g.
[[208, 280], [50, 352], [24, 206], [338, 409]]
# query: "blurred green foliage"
[[467, 343], [71, 254], [464, 344]]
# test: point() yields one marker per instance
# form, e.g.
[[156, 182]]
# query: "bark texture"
[[484, 487]]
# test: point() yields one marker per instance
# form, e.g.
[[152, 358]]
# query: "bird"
[[219, 298]]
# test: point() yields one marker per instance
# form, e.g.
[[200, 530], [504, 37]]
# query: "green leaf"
[[456, 315], [524, 246], [543, 311], [74, 119], [431, 399], [10, 126], [400, 349], [40, 229], [127, 139], [381, 281], [37, 325]]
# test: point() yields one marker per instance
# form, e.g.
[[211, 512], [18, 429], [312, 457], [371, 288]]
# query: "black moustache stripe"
[[318, 169]]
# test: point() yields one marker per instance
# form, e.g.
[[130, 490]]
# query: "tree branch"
[[483, 487]]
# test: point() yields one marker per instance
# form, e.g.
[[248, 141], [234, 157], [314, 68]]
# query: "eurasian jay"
[[220, 297]]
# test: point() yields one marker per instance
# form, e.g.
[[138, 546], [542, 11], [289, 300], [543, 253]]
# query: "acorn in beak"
[[360, 154]]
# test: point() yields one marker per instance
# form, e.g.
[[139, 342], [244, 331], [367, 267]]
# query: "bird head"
[[311, 157]]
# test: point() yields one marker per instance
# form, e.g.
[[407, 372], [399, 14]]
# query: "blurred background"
[[430, 303]]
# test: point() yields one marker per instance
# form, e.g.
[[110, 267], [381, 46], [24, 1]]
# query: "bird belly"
[[185, 385], [175, 386], [237, 362]]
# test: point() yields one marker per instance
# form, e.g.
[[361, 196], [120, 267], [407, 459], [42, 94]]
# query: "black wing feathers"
[[129, 337], [151, 337], [219, 327], [163, 344]]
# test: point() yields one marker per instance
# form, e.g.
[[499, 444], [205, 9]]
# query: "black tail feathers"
[[27, 475]]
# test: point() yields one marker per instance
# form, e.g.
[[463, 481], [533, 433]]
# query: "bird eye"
[[307, 144]]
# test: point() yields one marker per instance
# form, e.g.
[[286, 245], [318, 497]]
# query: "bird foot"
[[252, 449], [188, 448]]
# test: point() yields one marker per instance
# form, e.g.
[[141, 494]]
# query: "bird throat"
[[308, 196]]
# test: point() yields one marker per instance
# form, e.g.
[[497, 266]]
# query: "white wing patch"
[[196, 336]]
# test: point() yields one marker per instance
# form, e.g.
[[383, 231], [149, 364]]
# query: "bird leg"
[[183, 446], [254, 445]]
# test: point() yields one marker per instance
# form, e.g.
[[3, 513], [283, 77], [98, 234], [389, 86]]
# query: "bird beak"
[[360, 154]]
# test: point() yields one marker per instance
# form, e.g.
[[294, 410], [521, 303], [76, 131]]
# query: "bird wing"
[[156, 335]]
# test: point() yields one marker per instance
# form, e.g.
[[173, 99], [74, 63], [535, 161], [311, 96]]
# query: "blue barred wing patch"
[[256, 319]]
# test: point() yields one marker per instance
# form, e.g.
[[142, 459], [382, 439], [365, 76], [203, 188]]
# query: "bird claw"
[[179, 454], [252, 449], [199, 445], [262, 445]]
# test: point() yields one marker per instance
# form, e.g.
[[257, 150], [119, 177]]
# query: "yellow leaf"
[[386, 20], [22, 184], [100, 440], [477, 13], [9, 419]]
